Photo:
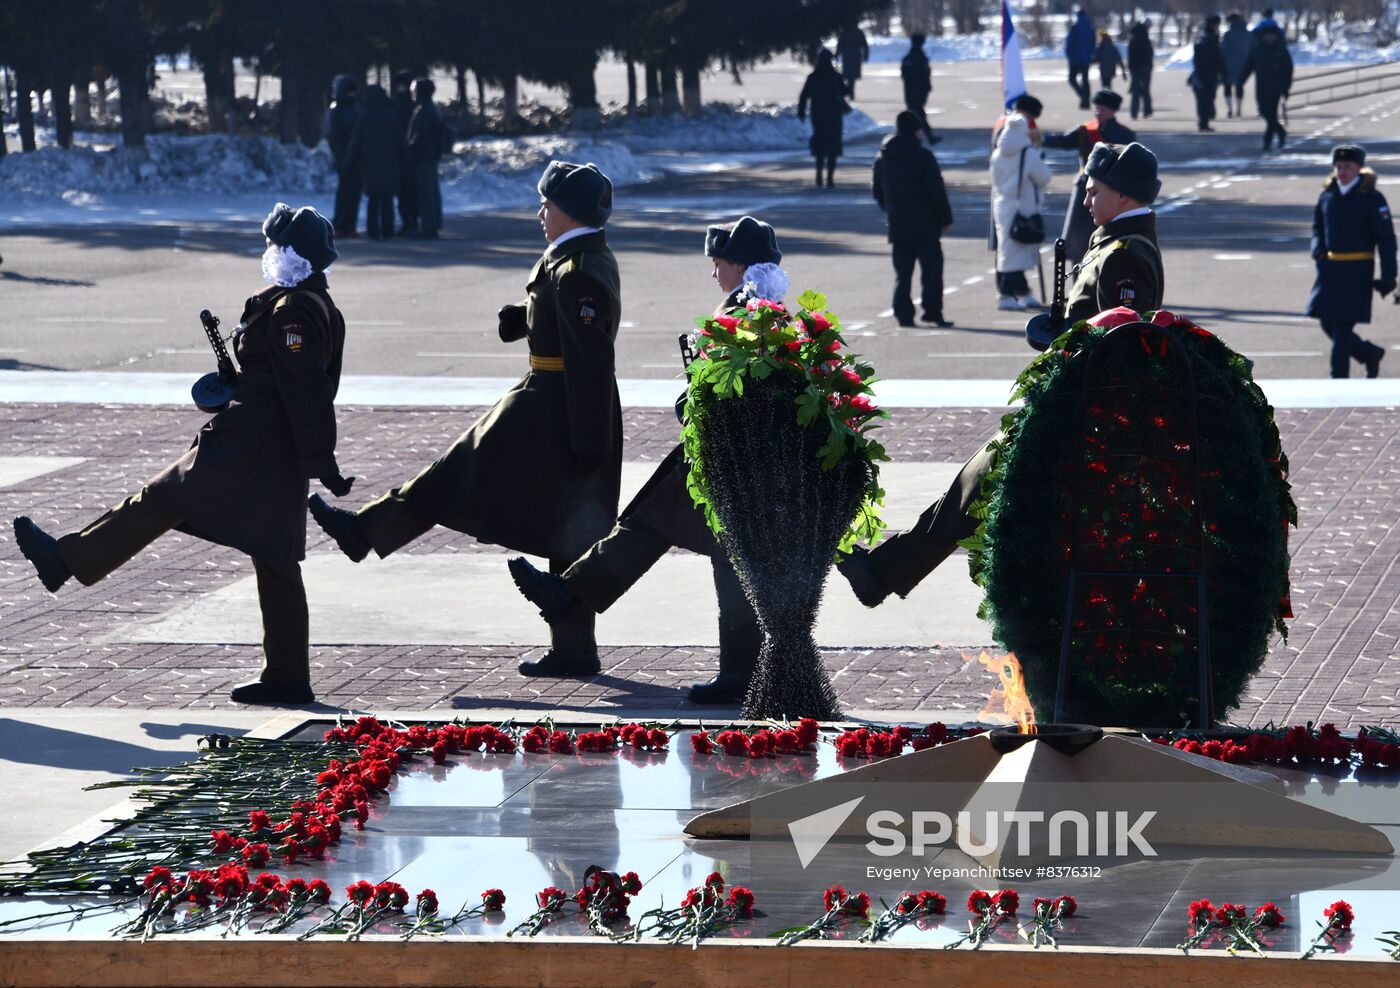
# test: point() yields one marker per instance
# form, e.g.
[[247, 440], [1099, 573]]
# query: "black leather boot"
[[341, 525], [740, 639], [41, 549]]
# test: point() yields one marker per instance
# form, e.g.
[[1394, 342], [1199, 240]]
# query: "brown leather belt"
[[1355, 255], [546, 363]]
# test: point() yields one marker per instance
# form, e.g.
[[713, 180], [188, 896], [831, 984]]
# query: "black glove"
[[512, 323], [335, 483], [1385, 285]]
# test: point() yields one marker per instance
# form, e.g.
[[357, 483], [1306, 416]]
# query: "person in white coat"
[[1019, 178]]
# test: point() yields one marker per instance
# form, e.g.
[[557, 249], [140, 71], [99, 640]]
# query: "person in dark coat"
[[1124, 267], [1105, 126], [1234, 47], [1351, 226], [1140, 56], [339, 126], [745, 256], [428, 141], [825, 93], [1272, 68], [1207, 71], [408, 182], [917, 79], [853, 49], [908, 187], [541, 471], [1079, 54], [379, 150], [1109, 58], [243, 482]]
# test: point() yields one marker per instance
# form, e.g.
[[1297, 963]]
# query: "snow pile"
[[955, 47], [1322, 50], [481, 172]]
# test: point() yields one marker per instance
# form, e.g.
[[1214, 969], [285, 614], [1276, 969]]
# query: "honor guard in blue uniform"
[[1352, 230]]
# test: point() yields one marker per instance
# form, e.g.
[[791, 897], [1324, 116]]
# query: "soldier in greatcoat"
[[540, 472], [1352, 229], [1123, 267], [745, 256], [243, 482]]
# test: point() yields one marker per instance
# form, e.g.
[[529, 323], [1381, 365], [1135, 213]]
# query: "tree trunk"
[[690, 89], [132, 104], [287, 126], [670, 101], [583, 100], [510, 98], [462, 85], [82, 99], [101, 84], [62, 108], [218, 92], [24, 105], [631, 87], [315, 93], [652, 81], [480, 99]]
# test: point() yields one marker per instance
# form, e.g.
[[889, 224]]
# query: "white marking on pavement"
[[157, 388], [18, 469], [1232, 257]]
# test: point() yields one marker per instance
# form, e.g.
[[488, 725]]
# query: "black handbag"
[[1026, 229]]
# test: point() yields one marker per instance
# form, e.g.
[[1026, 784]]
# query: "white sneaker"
[[1011, 303], [1029, 301]]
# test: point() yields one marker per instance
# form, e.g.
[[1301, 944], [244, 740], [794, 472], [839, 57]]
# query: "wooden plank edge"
[[583, 962]]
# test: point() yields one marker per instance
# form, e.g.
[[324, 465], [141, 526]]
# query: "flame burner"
[[1067, 739]]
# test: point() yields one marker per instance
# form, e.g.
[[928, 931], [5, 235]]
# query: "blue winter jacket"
[[1080, 42]]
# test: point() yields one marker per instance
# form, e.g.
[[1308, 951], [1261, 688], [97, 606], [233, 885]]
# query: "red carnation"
[[857, 905], [158, 879], [932, 902], [1268, 915], [980, 901], [257, 855], [318, 891], [701, 742], [360, 893], [1339, 915], [390, 894], [1200, 911], [493, 900], [833, 895], [808, 730], [741, 900], [1007, 901], [1230, 913], [222, 840], [427, 902], [631, 883], [1065, 906], [693, 899], [259, 820], [551, 899]]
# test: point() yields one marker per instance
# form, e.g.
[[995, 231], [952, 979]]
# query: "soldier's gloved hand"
[[335, 483], [1385, 285], [512, 323]]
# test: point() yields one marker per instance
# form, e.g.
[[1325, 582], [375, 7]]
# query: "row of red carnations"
[[1298, 745]]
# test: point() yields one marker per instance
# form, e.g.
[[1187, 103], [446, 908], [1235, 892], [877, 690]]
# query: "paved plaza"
[[440, 627]]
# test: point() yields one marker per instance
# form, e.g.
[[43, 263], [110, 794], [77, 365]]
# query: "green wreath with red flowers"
[[802, 352], [1132, 643]]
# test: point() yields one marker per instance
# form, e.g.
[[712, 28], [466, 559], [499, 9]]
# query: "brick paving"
[[1339, 663]]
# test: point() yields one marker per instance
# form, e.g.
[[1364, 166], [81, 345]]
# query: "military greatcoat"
[[1123, 266], [541, 472], [243, 482]]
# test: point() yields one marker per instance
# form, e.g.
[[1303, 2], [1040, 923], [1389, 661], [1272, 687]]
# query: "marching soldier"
[[1123, 267], [662, 515], [540, 472], [1351, 225], [243, 482], [1104, 128]]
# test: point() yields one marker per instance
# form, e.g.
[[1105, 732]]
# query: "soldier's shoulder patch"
[[1121, 244], [292, 339], [587, 310], [1126, 289], [1385, 210]]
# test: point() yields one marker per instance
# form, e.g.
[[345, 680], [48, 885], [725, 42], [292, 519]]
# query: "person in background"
[[1207, 69], [853, 49], [379, 151], [1019, 178], [917, 79], [408, 182], [824, 93], [1110, 60], [428, 140], [1267, 23], [1104, 128], [1140, 68], [338, 128], [1272, 68], [1079, 53], [1235, 45], [908, 187], [1351, 226]]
